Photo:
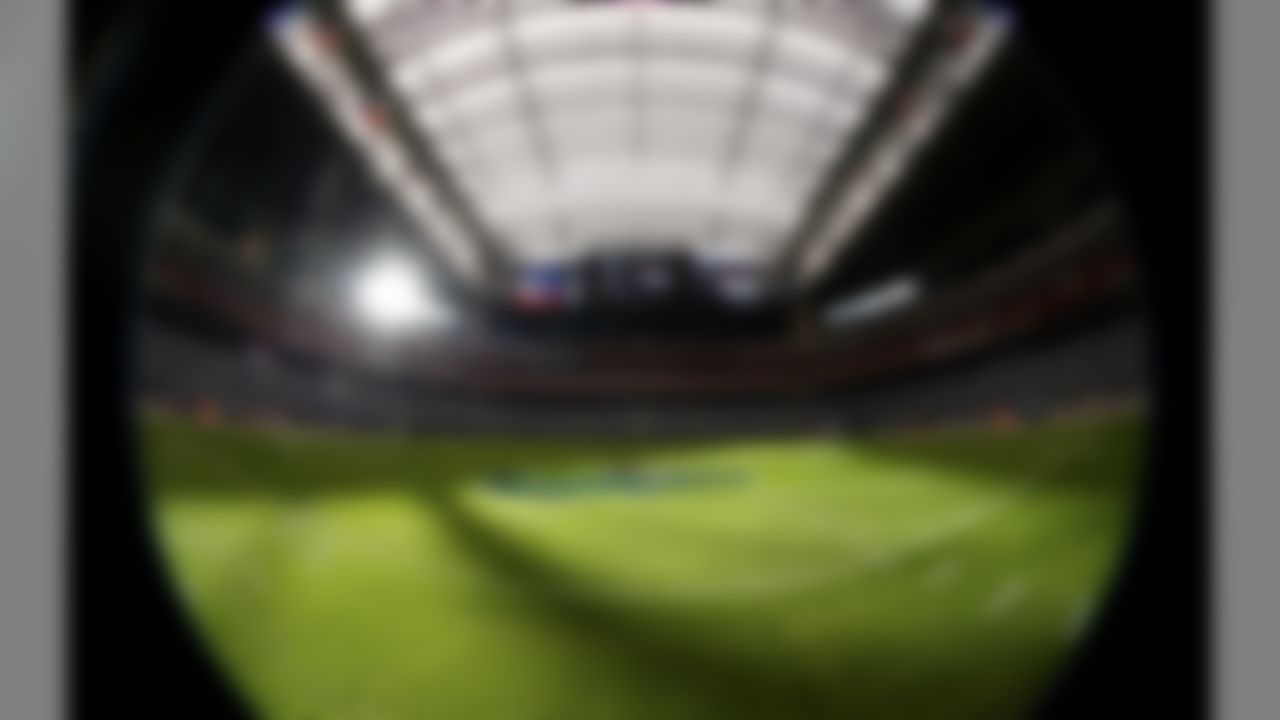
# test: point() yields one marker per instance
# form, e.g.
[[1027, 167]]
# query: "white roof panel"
[[574, 126]]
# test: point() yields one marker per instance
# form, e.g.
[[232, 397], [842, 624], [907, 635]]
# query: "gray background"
[[1247, 406], [31, 478], [1246, 425]]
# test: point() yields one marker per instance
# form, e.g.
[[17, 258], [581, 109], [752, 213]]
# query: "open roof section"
[[571, 127]]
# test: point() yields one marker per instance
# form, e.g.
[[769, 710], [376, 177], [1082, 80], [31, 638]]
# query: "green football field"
[[349, 578]]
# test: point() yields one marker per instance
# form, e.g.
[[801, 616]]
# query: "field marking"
[[1007, 597], [864, 562], [809, 578]]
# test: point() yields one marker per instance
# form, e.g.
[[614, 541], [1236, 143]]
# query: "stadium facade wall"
[[1100, 364]]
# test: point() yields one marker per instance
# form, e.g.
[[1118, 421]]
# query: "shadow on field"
[[645, 646]]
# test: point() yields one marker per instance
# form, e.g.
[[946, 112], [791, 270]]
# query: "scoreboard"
[[623, 291], [634, 279], [639, 281]]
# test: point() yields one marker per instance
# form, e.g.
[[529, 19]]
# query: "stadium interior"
[[706, 359]]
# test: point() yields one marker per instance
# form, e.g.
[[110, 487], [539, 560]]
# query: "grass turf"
[[378, 578]]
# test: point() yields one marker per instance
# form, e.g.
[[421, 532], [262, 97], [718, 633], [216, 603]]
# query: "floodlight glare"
[[389, 295], [874, 302], [909, 9]]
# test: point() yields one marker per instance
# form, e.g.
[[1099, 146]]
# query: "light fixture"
[[909, 10], [389, 296], [874, 302]]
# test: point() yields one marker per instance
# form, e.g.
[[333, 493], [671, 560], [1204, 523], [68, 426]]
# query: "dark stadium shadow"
[[184, 459], [625, 636], [181, 459], [1077, 455]]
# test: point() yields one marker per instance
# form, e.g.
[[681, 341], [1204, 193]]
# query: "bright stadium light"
[[909, 10], [874, 302], [390, 296]]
